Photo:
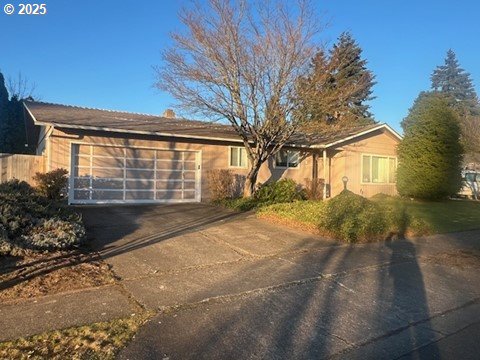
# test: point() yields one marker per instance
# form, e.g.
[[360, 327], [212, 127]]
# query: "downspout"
[[325, 186], [314, 173]]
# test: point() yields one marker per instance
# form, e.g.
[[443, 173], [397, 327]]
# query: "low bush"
[[52, 184], [239, 204], [281, 191], [303, 212], [221, 183], [16, 187], [353, 218], [29, 221]]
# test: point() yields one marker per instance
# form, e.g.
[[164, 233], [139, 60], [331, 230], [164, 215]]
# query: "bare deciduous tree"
[[20, 88], [239, 61]]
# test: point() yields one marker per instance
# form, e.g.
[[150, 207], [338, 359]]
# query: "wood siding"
[[21, 167], [342, 161], [213, 155], [348, 160]]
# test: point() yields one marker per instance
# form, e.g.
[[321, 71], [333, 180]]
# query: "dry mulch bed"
[[96, 341], [34, 274]]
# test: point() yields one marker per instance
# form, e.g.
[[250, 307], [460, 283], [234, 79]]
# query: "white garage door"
[[110, 174]]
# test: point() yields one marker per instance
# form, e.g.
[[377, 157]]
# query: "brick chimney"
[[169, 113]]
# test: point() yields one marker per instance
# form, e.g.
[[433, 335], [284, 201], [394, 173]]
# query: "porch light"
[[345, 180]]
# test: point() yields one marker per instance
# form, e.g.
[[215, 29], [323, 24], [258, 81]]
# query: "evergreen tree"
[[4, 113], [351, 73], [453, 81], [338, 87], [12, 123], [430, 154]]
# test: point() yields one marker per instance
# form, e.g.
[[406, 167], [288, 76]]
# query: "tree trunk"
[[251, 179]]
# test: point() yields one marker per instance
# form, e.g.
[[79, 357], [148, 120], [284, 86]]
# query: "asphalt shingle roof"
[[75, 116]]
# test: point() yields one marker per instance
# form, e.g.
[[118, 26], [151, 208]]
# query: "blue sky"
[[101, 53]]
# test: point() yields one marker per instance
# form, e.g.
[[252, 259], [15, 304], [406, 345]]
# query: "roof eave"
[[351, 137]]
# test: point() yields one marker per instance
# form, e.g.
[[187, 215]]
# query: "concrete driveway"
[[231, 286]]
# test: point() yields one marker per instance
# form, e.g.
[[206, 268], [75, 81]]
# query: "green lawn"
[[439, 217], [442, 216]]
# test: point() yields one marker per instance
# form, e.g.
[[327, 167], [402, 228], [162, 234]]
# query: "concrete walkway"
[[232, 286], [64, 310]]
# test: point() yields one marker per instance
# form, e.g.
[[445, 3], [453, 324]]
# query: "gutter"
[[154, 133]]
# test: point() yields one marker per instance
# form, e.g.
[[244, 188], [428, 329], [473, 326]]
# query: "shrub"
[[53, 234], [221, 184], [29, 221], [16, 186], [240, 204], [398, 219], [430, 154], [353, 218], [52, 184], [282, 191], [304, 212]]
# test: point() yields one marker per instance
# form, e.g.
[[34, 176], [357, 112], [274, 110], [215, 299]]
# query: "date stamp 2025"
[[25, 9]]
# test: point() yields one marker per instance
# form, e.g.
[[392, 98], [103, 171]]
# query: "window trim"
[[388, 174], [287, 167], [230, 158]]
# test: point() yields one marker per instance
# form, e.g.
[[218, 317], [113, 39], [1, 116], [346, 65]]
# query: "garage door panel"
[[189, 195], [107, 162], [107, 195], [81, 171], [108, 184], [82, 194], [103, 174], [189, 175], [172, 185], [140, 153], [169, 165], [82, 183], [84, 149], [169, 155], [189, 156], [109, 173], [140, 174], [109, 151], [139, 185], [139, 195], [189, 185], [140, 164], [174, 175], [190, 165], [169, 195], [82, 160]]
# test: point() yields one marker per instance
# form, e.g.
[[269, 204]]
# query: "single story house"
[[120, 157]]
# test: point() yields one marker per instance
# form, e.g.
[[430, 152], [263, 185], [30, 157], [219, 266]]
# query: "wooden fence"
[[21, 167]]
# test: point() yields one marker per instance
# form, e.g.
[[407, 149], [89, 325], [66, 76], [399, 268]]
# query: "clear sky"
[[100, 53]]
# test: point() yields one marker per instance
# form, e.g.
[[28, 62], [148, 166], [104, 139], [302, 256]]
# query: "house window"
[[287, 159], [238, 157], [379, 169]]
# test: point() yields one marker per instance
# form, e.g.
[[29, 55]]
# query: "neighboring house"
[[119, 157]]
